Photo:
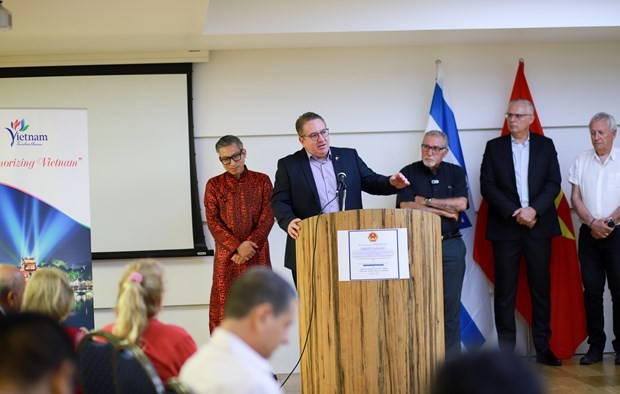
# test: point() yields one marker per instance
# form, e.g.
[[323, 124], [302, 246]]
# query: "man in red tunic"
[[239, 216]]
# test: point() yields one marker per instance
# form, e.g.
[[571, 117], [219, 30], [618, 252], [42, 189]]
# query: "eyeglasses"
[[434, 149], [508, 115], [236, 157], [315, 136]]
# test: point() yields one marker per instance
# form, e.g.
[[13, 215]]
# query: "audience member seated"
[[259, 310], [49, 292], [486, 373], [140, 294], [12, 285], [36, 356]]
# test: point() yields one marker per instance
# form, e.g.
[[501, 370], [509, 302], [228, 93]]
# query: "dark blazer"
[[295, 194], [498, 186]]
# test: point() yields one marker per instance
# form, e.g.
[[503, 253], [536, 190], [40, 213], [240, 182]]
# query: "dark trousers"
[[600, 258], [507, 256], [453, 263]]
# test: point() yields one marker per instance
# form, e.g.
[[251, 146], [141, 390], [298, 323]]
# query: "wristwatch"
[[428, 201], [611, 223]]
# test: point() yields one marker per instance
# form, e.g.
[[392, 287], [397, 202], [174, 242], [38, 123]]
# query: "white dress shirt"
[[599, 182], [227, 365], [521, 160]]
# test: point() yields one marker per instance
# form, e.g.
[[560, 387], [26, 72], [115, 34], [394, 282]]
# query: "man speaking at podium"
[[441, 188], [316, 180]]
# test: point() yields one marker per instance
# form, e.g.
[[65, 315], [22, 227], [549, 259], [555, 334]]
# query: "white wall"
[[237, 17], [376, 100]]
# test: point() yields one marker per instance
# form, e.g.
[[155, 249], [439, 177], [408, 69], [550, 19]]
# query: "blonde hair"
[[48, 291], [139, 298]]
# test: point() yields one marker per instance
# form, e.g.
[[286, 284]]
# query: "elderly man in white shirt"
[[595, 179], [259, 311]]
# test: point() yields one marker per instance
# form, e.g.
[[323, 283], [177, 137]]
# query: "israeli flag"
[[477, 327]]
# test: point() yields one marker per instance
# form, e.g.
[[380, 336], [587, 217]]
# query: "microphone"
[[342, 186], [341, 181]]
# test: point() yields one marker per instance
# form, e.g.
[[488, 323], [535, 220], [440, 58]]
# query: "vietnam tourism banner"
[[44, 198]]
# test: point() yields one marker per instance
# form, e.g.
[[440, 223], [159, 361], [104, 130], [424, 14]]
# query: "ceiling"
[[45, 30], [87, 32]]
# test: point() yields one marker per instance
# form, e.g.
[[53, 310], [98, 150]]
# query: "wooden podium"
[[371, 336]]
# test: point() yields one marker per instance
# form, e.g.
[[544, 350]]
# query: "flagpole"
[[476, 306]]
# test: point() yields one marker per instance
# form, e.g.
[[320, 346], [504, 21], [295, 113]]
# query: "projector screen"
[[143, 188]]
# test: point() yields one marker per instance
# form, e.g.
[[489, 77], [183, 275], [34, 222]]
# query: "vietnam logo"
[[16, 127], [18, 133]]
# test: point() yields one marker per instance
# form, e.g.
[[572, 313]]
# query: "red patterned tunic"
[[237, 210]]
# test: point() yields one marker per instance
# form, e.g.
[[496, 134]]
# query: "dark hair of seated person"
[[256, 286], [36, 354], [486, 372]]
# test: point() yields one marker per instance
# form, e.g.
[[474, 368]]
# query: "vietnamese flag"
[[568, 319]]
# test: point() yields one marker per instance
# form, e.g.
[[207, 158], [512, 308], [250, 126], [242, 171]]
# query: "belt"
[[451, 235]]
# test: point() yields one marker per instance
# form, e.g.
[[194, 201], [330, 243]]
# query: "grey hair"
[[438, 133], [228, 140], [523, 101], [611, 121]]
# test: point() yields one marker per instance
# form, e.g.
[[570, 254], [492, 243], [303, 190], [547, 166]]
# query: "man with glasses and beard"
[[307, 181], [239, 217], [440, 188]]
